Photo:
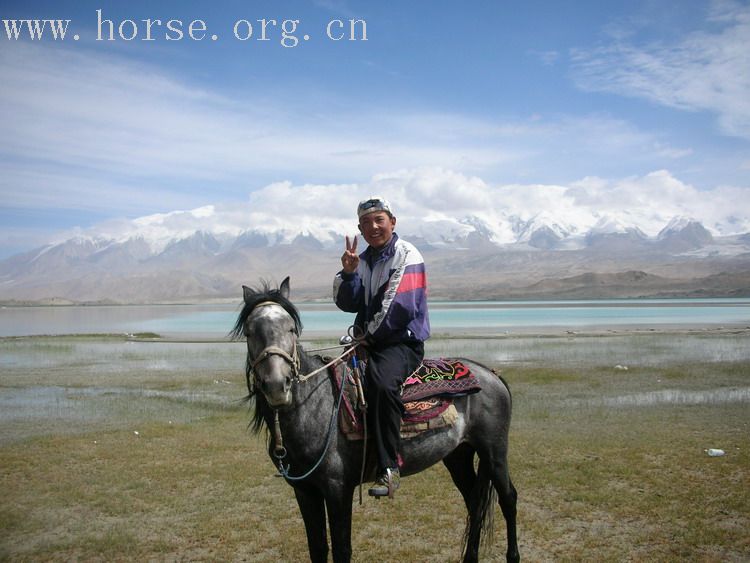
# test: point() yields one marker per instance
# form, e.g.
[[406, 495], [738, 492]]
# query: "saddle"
[[427, 395]]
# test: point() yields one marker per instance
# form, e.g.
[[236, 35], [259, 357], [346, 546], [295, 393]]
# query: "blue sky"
[[514, 94]]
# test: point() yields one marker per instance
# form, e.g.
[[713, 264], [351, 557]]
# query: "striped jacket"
[[388, 292]]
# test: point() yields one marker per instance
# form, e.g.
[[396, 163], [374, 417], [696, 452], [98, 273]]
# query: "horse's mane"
[[254, 297]]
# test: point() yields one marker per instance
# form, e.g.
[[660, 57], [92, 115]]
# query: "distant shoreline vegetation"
[[142, 336], [666, 300]]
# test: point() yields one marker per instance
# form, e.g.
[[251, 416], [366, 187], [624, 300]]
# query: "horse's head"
[[271, 325]]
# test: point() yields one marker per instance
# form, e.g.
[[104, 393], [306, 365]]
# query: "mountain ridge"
[[543, 260]]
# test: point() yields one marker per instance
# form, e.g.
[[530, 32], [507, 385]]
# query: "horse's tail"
[[480, 522]]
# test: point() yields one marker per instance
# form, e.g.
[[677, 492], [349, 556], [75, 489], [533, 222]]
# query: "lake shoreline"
[[593, 331], [448, 319]]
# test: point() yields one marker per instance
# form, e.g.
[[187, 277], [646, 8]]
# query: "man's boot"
[[387, 484]]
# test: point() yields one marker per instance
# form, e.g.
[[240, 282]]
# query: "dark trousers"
[[387, 367]]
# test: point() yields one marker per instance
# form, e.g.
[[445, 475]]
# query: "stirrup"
[[386, 485]]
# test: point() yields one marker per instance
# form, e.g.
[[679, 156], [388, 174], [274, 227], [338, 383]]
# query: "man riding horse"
[[386, 287]]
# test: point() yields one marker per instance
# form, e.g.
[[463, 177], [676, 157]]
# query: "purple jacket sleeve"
[[348, 291]]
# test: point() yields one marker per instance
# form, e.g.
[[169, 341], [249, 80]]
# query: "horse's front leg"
[[312, 506], [339, 504]]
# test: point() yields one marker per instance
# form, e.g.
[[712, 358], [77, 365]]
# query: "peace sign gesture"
[[350, 258]]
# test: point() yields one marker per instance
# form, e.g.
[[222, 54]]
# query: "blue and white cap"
[[373, 204]]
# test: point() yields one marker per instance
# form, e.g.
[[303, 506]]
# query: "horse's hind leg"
[[507, 497], [460, 464]]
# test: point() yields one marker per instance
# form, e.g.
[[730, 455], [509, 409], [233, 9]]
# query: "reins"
[[295, 363], [349, 350], [293, 359], [279, 451]]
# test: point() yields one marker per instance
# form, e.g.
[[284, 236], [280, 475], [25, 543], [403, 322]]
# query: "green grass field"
[[608, 468]]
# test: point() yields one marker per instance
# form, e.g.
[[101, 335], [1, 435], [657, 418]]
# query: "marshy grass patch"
[[610, 464]]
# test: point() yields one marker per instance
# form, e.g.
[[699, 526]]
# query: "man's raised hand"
[[350, 258]]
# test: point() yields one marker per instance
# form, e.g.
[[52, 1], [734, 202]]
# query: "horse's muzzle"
[[277, 389]]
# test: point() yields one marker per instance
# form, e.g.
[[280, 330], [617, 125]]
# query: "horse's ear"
[[246, 293], [284, 288]]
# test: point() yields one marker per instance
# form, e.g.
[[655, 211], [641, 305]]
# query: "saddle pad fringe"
[[425, 412], [447, 417]]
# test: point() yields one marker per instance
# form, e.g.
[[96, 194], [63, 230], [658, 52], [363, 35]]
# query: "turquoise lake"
[[491, 317]]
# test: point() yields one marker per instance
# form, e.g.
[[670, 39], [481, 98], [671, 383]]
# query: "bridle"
[[269, 351], [292, 359]]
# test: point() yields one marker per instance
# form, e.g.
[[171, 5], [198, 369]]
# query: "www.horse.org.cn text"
[[286, 32]]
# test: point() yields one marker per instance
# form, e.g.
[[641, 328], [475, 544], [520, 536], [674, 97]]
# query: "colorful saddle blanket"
[[443, 378], [427, 395]]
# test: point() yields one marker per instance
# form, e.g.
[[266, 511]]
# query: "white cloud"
[[548, 58], [59, 188], [111, 116], [703, 71], [431, 202], [91, 130], [94, 132]]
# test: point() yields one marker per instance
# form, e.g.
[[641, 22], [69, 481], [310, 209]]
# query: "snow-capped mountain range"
[[541, 231], [156, 263]]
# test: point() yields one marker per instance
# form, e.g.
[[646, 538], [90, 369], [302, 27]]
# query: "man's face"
[[377, 228]]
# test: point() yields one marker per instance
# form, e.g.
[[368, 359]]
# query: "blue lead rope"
[[284, 471]]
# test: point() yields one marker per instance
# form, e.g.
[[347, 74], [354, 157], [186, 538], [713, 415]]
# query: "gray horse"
[[324, 467]]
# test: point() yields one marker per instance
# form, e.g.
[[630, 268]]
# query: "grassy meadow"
[[118, 450]]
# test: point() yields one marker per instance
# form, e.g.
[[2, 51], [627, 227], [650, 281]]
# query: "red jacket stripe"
[[412, 281]]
